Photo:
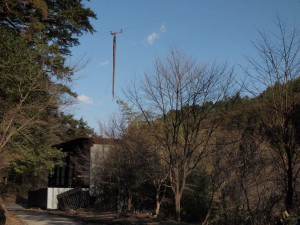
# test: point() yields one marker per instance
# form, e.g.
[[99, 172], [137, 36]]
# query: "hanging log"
[[114, 60], [114, 66]]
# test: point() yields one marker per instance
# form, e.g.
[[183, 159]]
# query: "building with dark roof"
[[82, 155]]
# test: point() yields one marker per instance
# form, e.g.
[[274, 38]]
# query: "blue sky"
[[208, 30]]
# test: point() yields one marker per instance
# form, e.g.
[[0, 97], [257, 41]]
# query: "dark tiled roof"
[[90, 140]]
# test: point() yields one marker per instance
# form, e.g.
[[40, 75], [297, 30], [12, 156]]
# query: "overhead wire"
[[174, 18]]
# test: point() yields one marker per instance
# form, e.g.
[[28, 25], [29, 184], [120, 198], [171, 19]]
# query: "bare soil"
[[100, 218], [113, 218], [12, 219]]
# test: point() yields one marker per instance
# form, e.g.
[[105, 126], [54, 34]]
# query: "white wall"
[[52, 196], [98, 155]]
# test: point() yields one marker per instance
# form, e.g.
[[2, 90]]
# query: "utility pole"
[[114, 59]]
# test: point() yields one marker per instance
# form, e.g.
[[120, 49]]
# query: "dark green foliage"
[[25, 90], [70, 128], [55, 23], [36, 37]]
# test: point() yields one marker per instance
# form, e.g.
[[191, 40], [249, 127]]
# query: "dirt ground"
[[112, 218], [11, 219], [97, 218], [100, 218]]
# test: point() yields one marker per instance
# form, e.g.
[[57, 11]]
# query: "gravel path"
[[38, 217]]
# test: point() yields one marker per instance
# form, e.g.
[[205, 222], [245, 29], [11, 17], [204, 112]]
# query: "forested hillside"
[[240, 175], [196, 144]]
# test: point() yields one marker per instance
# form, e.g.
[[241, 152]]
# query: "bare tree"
[[133, 161], [177, 100], [278, 68], [158, 175]]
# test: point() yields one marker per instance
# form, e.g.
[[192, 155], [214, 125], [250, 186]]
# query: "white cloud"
[[104, 63], [151, 38], [163, 28], [84, 99]]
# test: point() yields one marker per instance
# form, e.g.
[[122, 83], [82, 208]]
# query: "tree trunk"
[[178, 205], [290, 188], [129, 201], [206, 217], [157, 210], [175, 184], [289, 172]]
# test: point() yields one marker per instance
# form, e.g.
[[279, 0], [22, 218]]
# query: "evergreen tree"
[[34, 79]]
